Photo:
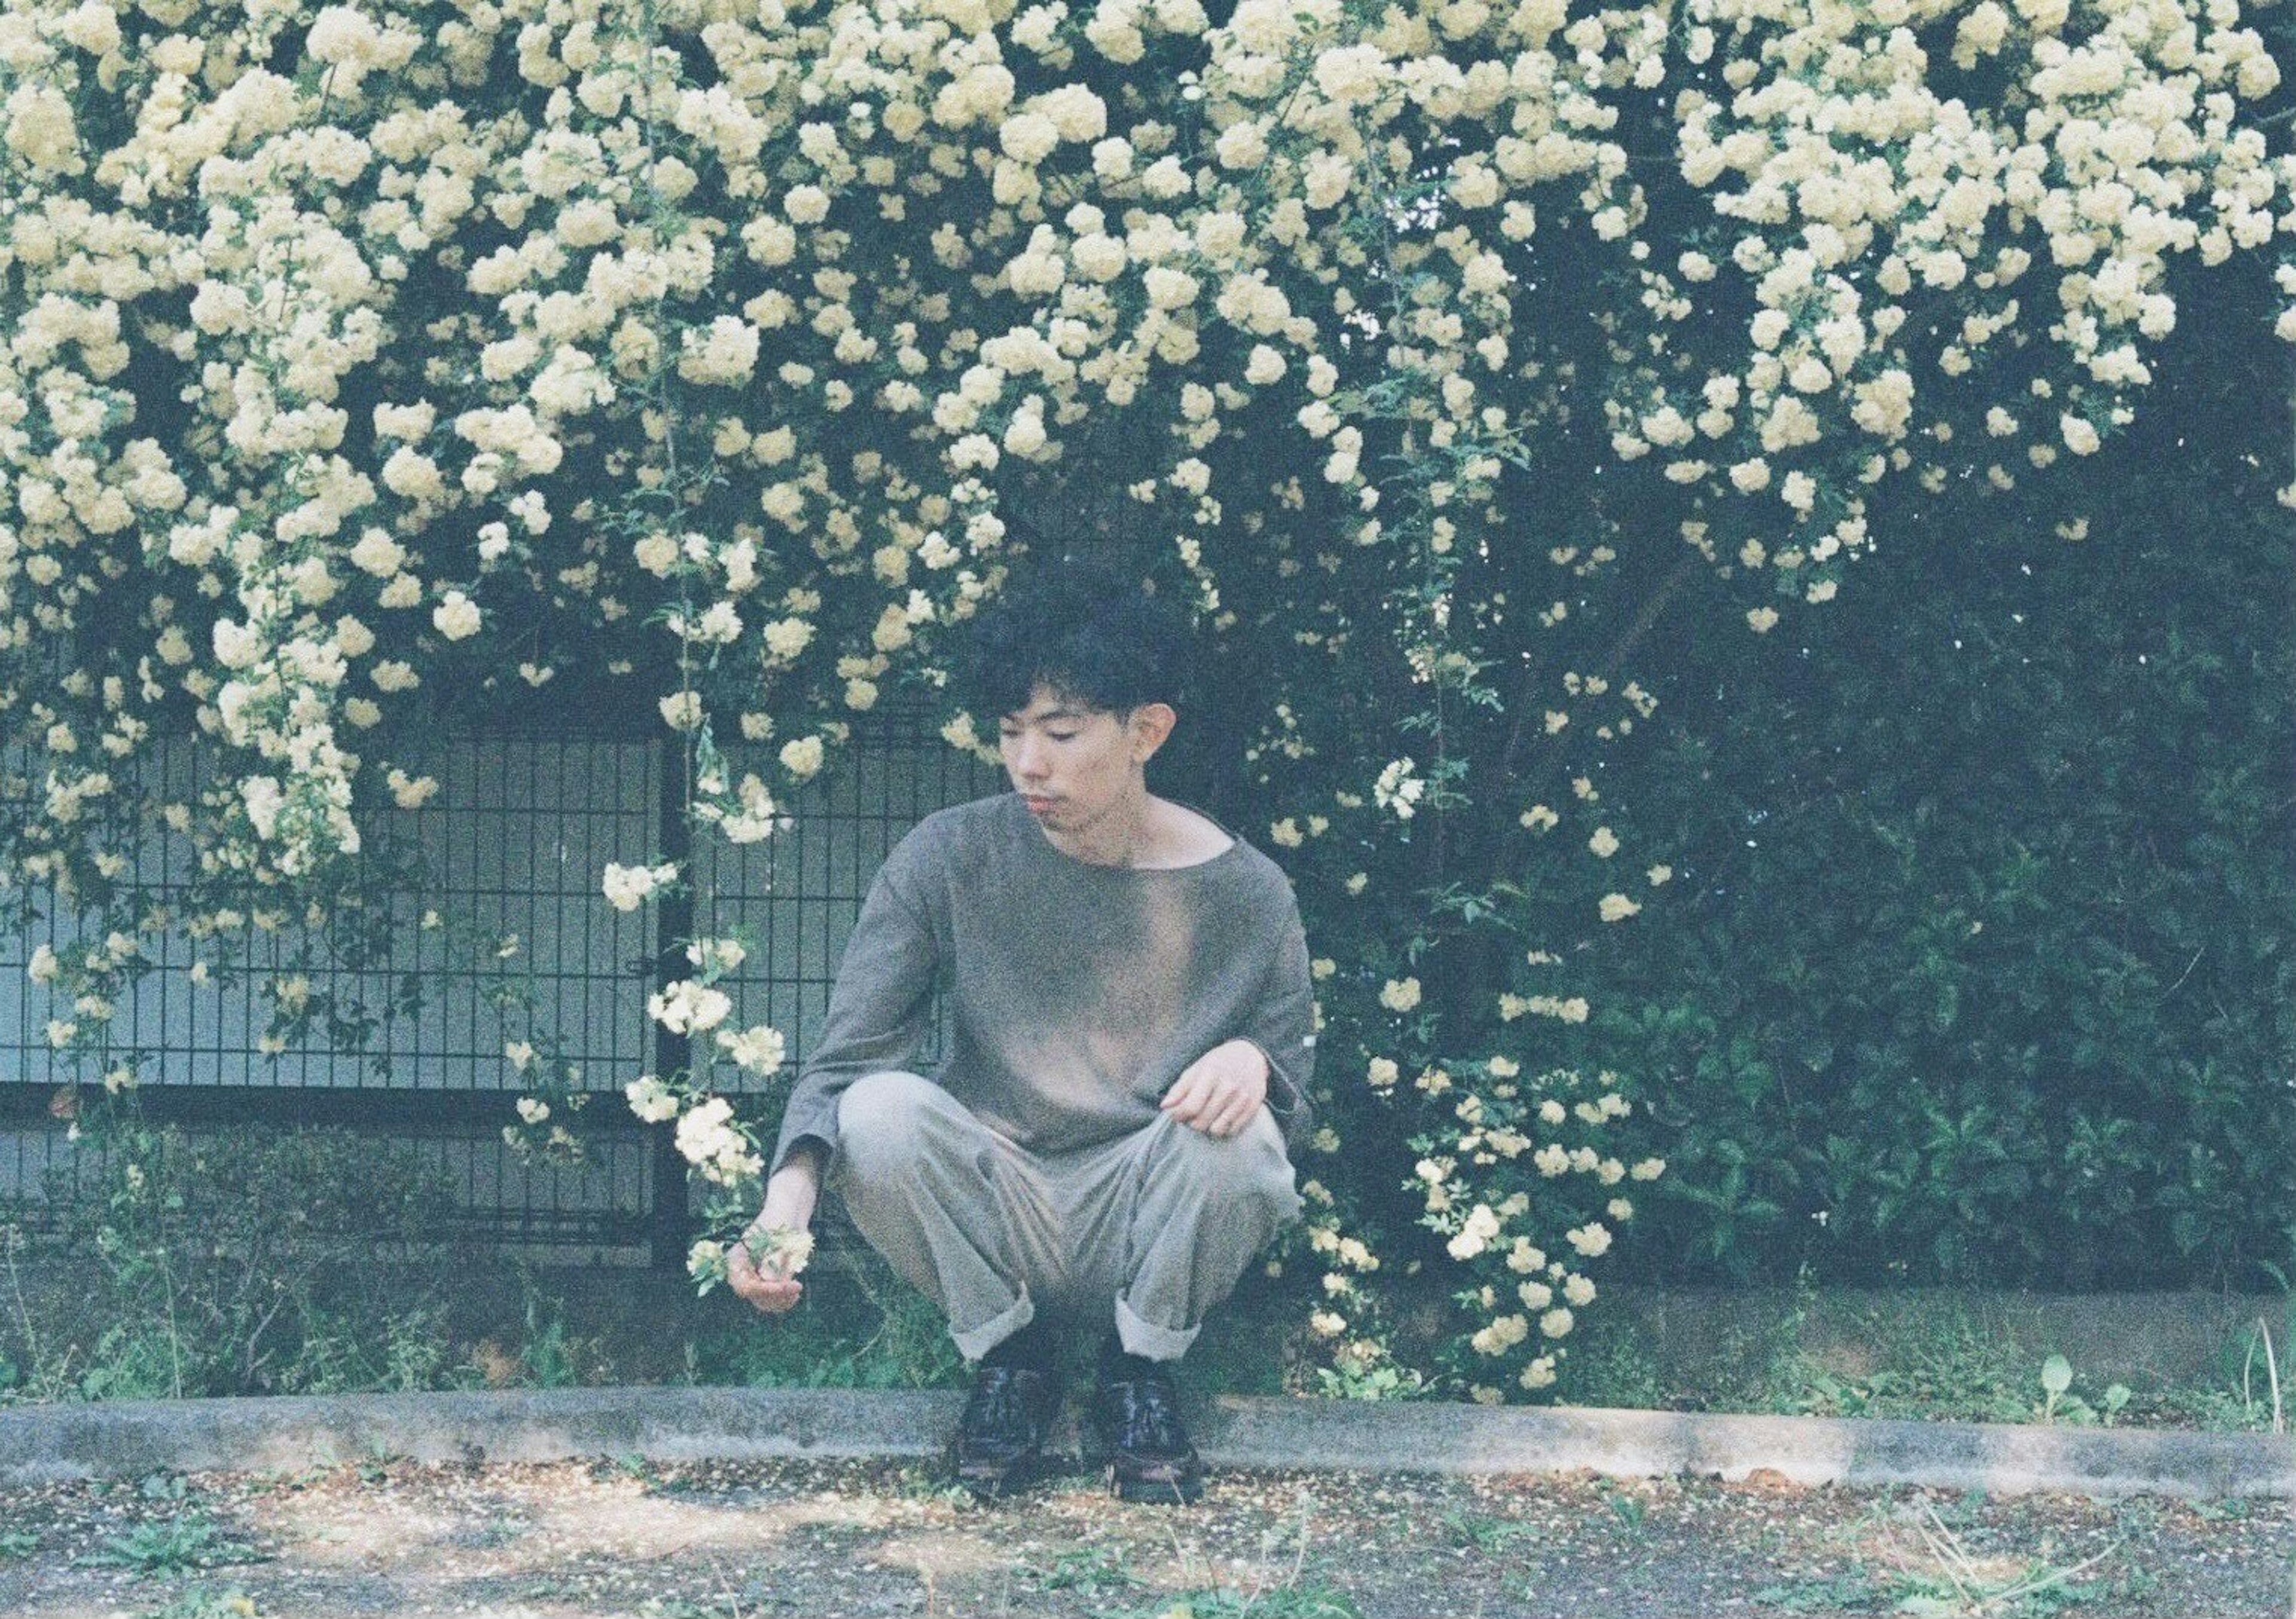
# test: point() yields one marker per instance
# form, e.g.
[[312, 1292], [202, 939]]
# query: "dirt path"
[[841, 1540]]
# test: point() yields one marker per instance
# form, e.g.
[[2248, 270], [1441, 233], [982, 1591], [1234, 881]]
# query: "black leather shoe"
[[1150, 1458], [1000, 1439]]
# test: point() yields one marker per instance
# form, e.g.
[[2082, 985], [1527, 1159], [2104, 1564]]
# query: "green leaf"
[[2056, 1374]]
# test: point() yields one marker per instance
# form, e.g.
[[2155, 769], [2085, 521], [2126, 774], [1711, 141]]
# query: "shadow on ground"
[[572, 1540]]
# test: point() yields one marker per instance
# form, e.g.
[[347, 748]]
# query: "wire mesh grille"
[[511, 849]]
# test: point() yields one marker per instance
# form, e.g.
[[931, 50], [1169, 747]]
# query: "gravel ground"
[[842, 1540]]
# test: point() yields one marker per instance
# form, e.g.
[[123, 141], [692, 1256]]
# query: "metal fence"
[[512, 847]]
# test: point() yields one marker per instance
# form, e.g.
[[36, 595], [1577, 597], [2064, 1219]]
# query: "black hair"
[[1081, 628]]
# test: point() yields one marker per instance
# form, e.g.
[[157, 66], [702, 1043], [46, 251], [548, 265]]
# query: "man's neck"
[[1118, 836], [1149, 833]]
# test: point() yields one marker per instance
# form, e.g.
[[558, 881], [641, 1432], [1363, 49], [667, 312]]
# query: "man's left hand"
[[1221, 1090]]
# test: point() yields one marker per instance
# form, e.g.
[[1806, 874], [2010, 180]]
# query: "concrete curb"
[[1806, 1451], [47, 1445]]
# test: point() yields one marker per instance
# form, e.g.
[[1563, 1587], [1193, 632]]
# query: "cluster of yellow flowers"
[[1503, 1120], [714, 344]]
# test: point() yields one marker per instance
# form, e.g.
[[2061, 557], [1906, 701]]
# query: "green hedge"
[[1982, 967]]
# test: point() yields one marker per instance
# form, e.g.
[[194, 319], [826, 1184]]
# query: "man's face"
[[1071, 763]]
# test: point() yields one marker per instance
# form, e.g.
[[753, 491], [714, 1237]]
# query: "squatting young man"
[[1106, 1146]]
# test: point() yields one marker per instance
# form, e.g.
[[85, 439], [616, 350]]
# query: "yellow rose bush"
[[707, 360]]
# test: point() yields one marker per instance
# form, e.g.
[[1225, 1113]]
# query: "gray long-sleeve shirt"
[[1077, 993]]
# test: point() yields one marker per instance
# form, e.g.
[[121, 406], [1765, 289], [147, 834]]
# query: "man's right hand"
[[790, 1196], [765, 1284]]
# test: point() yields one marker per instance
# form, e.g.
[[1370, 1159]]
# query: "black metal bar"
[[375, 1107], [671, 1225]]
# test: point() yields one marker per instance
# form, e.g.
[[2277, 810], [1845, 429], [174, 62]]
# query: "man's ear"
[[1149, 724]]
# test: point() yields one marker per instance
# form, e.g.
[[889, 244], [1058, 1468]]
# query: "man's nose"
[[1027, 758]]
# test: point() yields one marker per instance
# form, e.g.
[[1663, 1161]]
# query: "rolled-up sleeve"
[[878, 1012]]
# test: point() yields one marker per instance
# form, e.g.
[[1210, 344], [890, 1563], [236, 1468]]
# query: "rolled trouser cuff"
[[974, 1342], [1149, 1341]]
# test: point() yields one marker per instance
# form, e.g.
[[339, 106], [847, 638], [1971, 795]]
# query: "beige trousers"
[[1152, 1230]]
